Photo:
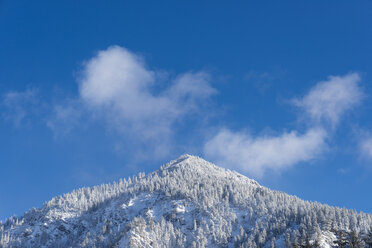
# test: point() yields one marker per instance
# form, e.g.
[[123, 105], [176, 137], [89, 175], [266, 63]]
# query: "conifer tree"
[[306, 243], [341, 241], [368, 238], [355, 241], [316, 244]]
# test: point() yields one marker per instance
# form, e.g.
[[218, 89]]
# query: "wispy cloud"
[[64, 117], [343, 171], [19, 105], [366, 147], [328, 100], [256, 155], [117, 86], [324, 104], [263, 81], [147, 109]]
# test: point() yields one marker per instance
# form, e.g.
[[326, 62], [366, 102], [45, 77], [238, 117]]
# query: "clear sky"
[[93, 91]]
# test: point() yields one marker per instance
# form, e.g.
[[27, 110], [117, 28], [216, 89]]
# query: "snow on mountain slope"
[[188, 202]]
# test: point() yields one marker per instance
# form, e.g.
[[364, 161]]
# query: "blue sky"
[[91, 92]]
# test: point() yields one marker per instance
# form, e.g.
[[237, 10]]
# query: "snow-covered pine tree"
[[186, 202]]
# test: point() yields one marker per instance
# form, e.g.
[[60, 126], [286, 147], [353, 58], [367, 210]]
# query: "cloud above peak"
[[366, 147], [327, 101], [147, 111], [19, 105], [117, 85], [256, 155], [324, 105], [112, 75]]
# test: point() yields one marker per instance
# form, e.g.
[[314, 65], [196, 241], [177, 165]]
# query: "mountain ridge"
[[194, 202]]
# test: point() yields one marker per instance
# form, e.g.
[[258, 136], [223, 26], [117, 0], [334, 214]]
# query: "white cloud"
[[64, 117], [328, 100], [366, 147], [188, 89], [263, 81], [113, 76], [19, 105], [343, 171], [117, 85], [256, 155], [324, 104]]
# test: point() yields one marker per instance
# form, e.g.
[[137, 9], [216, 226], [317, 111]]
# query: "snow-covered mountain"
[[188, 202]]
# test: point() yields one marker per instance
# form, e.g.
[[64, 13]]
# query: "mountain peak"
[[189, 202], [191, 162], [199, 167]]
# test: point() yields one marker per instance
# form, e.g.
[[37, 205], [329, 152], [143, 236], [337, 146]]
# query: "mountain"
[[188, 202]]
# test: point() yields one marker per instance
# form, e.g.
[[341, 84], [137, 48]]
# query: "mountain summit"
[[188, 202]]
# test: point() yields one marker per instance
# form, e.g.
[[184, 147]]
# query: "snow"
[[187, 202]]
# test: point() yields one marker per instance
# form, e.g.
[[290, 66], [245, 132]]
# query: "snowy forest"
[[188, 202]]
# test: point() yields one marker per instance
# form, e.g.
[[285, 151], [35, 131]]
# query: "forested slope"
[[188, 202]]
